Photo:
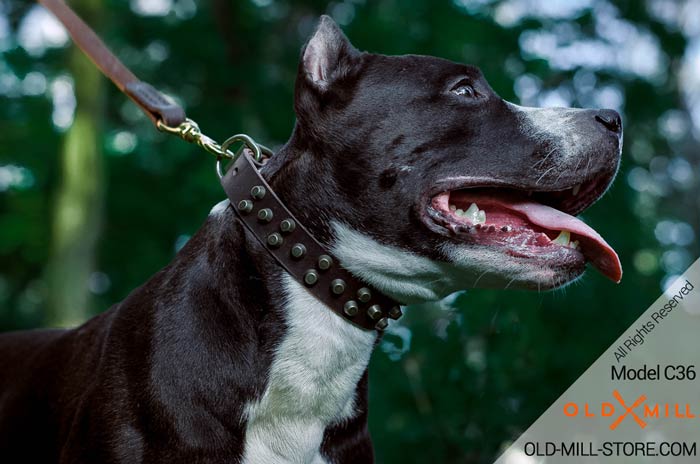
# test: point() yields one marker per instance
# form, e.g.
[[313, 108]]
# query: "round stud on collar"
[[364, 295], [265, 215], [310, 277], [245, 206], [257, 192], [350, 308], [382, 324], [324, 262], [298, 251], [395, 312], [275, 240], [374, 312], [338, 286], [288, 225]]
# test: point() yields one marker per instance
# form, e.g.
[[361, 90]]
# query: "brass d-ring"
[[259, 151], [247, 142]]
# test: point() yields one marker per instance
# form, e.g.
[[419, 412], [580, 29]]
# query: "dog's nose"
[[610, 119]]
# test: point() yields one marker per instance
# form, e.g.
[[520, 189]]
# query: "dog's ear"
[[328, 54]]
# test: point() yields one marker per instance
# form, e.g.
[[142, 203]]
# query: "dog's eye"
[[464, 89]]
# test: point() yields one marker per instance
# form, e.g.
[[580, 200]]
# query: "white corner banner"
[[639, 402]]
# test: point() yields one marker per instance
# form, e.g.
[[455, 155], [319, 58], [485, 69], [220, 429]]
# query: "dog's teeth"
[[576, 189], [563, 238], [453, 208], [574, 244], [459, 212], [480, 217], [472, 210]]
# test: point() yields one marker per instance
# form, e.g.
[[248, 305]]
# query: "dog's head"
[[423, 181]]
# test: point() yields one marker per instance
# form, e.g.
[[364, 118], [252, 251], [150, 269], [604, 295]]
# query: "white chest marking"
[[311, 384]]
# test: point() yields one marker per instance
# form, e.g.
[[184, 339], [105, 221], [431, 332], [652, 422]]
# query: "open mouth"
[[537, 225]]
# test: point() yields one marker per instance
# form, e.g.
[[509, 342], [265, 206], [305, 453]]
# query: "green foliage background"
[[459, 379]]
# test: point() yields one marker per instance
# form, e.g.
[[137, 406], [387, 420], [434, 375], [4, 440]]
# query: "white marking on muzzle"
[[553, 126], [411, 278], [407, 276]]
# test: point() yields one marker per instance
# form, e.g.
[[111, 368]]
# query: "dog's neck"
[[318, 358], [306, 182]]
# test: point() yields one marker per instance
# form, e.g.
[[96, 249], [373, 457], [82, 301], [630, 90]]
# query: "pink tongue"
[[596, 250]]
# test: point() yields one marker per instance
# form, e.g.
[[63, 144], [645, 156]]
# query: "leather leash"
[[150, 100], [256, 204]]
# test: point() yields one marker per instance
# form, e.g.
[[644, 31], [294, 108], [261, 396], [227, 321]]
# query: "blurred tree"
[[78, 207]]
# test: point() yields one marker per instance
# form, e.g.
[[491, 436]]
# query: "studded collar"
[[297, 251]]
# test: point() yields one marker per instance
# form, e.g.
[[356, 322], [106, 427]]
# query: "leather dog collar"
[[297, 251]]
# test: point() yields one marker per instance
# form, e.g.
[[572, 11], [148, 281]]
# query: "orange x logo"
[[628, 411]]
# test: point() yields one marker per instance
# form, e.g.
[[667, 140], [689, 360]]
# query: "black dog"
[[415, 174]]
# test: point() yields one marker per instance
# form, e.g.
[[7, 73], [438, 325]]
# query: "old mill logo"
[[639, 411]]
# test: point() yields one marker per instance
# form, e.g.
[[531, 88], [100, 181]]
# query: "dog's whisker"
[[544, 174], [493, 319], [578, 163], [479, 278], [588, 166], [543, 160]]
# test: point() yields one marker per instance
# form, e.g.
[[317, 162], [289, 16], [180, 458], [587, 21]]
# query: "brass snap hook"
[[189, 131]]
